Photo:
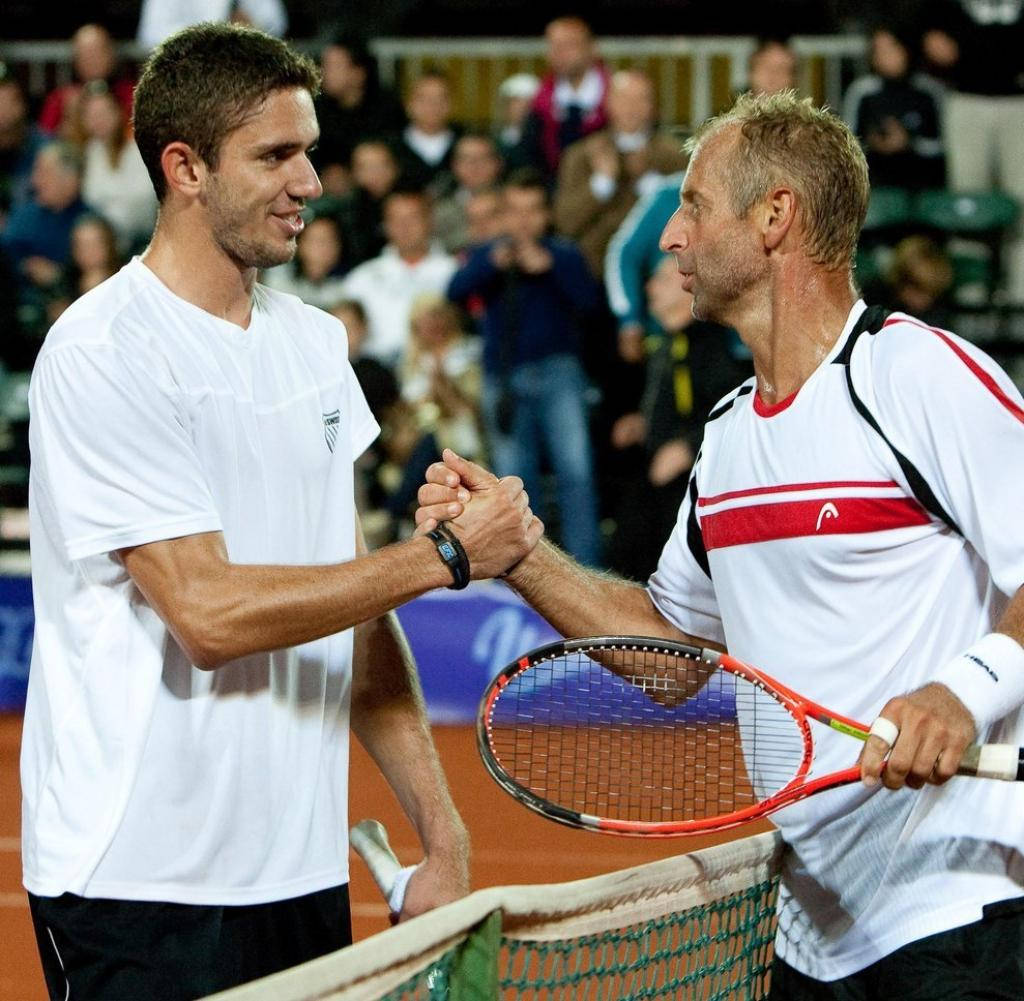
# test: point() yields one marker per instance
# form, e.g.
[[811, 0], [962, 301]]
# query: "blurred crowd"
[[500, 282]]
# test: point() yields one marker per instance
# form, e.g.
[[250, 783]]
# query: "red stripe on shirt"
[[794, 488], [982, 376], [741, 526]]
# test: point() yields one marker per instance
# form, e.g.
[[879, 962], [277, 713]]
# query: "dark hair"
[[359, 53], [528, 179], [403, 189], [202, 83], [766, 42], [354, 306]]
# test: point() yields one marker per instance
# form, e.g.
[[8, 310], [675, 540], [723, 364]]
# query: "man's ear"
[[183, 170], [779, 214]]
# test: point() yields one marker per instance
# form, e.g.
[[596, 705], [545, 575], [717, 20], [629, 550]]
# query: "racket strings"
[[643, 736]]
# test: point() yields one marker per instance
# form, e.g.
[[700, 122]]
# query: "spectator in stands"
[[352, 106], [377, 381], [159, 19], [93, 57], [375, 173], [428, 141], [441, 377], [476, 166], [896, 114], [20, 141], [37, 238], [115, 182], [409, 265], [633, 254], [602, 176], [316, 273], [94, 259], [437, 405], [771, 67], [979, 48], [692, 365], [483, 217], [515, 98], [537, 292], [571, 101], [919, 281]]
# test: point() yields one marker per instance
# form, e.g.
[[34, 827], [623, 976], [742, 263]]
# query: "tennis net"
[[697, 927]]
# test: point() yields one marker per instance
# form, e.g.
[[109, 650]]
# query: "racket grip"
[[370, 840], [993, 761]]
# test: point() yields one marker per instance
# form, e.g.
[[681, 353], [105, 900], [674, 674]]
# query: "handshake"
[[489, 517]]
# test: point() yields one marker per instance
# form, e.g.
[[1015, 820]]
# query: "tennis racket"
[[369, 838], [638, 736]]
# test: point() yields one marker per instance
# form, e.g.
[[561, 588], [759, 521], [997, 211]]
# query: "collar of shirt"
[[587, 95], [630, 142], [430, 148]]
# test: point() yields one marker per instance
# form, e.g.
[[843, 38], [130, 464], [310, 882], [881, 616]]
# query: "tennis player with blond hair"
[[852, 526]]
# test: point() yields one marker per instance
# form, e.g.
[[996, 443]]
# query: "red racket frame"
[[800, 708]]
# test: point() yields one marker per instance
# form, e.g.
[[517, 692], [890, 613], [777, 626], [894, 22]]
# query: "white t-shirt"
[[387, 286], [826, 572], [144, 777]]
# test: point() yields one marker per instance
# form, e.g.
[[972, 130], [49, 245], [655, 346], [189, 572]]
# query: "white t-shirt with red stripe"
[[826, 572]]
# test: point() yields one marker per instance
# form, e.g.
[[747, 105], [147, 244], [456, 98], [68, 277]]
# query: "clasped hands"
[[490, 516]]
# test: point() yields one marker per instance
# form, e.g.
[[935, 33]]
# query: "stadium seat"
[[889, 210], [980, 217]]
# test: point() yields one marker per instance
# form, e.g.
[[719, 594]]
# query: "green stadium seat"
[[888, 209], [981, 217], [964, 213]]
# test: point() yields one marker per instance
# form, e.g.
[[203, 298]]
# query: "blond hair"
[[784, 139]]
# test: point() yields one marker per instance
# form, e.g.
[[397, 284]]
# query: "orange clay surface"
[[510, 845]]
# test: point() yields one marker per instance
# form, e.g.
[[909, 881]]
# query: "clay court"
[[510, 845]]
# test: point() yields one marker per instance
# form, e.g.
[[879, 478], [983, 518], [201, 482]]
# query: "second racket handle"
[[993, 761]]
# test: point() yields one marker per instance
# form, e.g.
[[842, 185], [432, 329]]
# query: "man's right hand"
[[493, 521]]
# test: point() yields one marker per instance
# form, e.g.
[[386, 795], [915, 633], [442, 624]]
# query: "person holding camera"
[[537, 295]]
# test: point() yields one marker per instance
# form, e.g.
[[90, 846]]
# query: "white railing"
[[694, 76]]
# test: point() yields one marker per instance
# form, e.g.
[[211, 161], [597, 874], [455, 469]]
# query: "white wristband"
[[988, 678]]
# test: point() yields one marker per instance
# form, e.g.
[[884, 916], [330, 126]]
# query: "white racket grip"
[[992, 761], [370, 839]]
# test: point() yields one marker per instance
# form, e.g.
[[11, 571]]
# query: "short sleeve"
[[112, 452], [364, 425], [681, 589], [954, 413]]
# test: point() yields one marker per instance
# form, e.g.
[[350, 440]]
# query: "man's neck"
[[413, 255], [791, 329], [195, 269]]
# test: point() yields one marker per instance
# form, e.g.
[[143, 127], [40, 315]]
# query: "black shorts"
[[126, 950], [983, 961]]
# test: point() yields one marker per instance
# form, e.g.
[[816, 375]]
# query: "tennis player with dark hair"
[[852, 526], [209, 625]]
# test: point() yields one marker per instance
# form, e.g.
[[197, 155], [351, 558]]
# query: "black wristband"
[[452, 555]]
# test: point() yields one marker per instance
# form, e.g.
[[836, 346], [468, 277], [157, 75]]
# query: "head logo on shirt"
[[827, 511], [331, 422]]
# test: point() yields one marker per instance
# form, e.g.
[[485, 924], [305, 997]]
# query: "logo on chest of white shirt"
[[331, 424], [828, 510]]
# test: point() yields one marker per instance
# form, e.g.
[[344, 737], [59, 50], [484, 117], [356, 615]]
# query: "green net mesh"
[[696, 927]]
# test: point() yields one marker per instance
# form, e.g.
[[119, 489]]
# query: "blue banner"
[[460, 640], [16, 625]]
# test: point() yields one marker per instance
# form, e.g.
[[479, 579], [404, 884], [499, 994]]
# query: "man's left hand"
[[437, 880]]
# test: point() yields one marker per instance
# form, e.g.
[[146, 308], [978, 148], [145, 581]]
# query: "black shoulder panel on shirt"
[[694, 538], [870, 322], [727, 405]]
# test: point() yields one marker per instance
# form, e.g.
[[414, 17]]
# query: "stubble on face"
[[727, 260], [228, 216]]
